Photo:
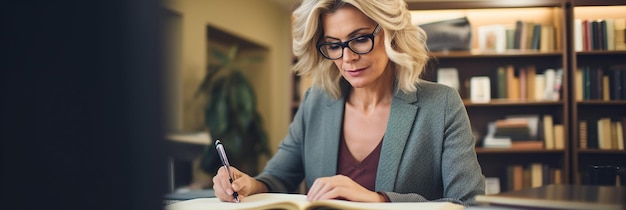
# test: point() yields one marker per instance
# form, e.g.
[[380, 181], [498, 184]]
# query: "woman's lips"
[[355, 72]]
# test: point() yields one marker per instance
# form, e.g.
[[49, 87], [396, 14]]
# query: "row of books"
[[606, 83], [525, 132], [517, 83], [600, 34], [531, 175], [604, 134], [521, 35]]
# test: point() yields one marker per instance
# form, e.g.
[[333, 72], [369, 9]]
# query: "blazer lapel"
[[330, 137], [401, 119]]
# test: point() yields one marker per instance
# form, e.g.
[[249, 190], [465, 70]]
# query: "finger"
[[330, 194], [313, 190], [222, 180], [319, 187]]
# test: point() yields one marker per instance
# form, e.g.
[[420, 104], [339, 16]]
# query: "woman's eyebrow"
[[351, 34]]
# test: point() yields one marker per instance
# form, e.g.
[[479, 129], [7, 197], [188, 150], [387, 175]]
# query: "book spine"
[[518, 34], [501, 77], [615, 76]]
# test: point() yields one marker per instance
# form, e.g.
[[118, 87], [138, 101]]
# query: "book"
[[558, 84], [492, 141], [559, 136], [513, 83], [536, 175], [548, 131], [547, 38], [559, 197], [619, 28], [501, 83], [449, 77], [578, 84], [517, 36], [518, 177], [586, 35], [582, 134], [535, 37], [604, 133], [619, 132], [578, 35], [614, 135], [610, 33], [492, 185], [299, 202], [527, 145], [615, 83], [549, 90], [480, 88], [530, 71], [540, 86]]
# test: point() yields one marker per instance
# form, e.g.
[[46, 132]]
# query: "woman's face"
[[361, 70]]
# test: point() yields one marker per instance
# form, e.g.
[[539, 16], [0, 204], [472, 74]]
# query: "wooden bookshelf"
[[474, 62], [591, 110]]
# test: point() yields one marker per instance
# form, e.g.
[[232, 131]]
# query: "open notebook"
[[299, 202]]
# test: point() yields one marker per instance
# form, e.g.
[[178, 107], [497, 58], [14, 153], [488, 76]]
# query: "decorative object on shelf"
[[230, 113], [448, 35], [492, 37]]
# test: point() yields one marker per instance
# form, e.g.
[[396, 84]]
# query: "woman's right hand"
[[243, 184]]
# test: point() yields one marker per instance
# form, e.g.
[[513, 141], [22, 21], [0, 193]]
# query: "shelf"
[[601, 52], [441, 5], [601, 102], [498, 151], [601, 151], [580, 3], [508, 102], [495, 54]]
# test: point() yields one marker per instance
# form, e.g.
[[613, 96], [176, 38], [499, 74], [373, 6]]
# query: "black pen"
[[220, 150]]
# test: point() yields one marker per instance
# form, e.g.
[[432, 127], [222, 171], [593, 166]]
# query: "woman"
[[369, 129]]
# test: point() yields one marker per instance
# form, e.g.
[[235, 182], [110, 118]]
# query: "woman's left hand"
[[340, 186]]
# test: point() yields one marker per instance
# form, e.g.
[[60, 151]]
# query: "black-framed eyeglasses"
[[359, 45]]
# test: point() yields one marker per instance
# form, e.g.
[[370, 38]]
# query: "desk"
[[560, 197], [182, 150]]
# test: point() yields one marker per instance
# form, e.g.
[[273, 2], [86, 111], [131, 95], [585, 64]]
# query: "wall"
[[263, 22]]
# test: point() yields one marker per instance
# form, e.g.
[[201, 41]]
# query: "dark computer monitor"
[[81, 112]]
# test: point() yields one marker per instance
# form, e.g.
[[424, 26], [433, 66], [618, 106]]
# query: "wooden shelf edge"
[[439, 5], [491, 54], [480, 150], [601, 52], [601, 151], [601, 102], [510, 102]]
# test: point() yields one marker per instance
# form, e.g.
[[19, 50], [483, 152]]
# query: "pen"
[[220, 150]]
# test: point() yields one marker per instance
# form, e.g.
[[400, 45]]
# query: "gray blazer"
[[427, 153]]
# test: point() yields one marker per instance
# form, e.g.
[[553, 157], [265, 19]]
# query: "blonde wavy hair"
[[404, 42]]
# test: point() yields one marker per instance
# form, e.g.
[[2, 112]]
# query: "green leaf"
[[232, 53], [242, 99], [218, 109], [205, 85], [220, 56]]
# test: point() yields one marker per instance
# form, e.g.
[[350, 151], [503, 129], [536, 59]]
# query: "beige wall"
[[260, 21]]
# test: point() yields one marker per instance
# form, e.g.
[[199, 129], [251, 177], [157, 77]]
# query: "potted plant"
[[230, 113]]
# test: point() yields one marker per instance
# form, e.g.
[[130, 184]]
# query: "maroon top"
[[364, 172]]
